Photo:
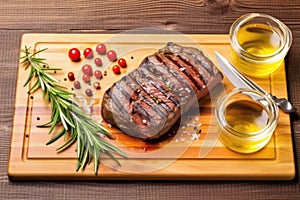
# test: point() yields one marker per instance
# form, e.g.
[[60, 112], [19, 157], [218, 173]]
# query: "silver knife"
[[241, 81]]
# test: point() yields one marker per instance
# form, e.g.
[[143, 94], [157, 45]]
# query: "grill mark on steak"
[[161, 93], [166, 102], [178, 71], [200, 76], [180, 87], [130, 105], [143, 96], [201, 60], [206, 75], [195, 73], [115, 96], [187, 71], [191, 54], [159, 58], [139, 115], [149, 89], [181, 77], [161, 85]]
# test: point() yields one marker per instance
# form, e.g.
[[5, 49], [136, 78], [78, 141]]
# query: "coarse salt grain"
[[195, 136]]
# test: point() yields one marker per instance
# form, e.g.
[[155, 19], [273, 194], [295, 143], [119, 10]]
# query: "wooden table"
[[197, 17]]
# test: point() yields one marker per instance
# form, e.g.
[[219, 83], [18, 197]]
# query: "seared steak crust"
[[148, 101]]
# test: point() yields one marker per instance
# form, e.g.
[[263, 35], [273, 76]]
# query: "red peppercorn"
[[98, 62], [111, 55], [86, 78], [97, 86], [101, 49], [89, 92], [87, 69], [77, 85], [74, 54], [98, 74], [116, 69], [71, 76], [122, 62], [88, 53]]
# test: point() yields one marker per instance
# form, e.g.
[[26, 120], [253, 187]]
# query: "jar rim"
[[279, 53]]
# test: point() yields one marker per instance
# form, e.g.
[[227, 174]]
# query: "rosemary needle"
[[77, 126]]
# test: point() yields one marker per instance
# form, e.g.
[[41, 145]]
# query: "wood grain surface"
[[187, 16]]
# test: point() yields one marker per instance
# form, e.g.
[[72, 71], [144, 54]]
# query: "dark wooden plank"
[[207, 16], [185, 16]]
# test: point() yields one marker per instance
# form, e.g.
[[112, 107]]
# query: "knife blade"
[[241, 81]]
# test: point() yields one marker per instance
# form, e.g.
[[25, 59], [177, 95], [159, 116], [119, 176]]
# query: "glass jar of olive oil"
[[247, 120], [259, 44]]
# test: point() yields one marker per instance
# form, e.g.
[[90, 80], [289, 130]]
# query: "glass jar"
[[259, 44], [246, 119]]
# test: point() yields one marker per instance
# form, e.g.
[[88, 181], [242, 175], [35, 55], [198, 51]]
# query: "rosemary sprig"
[[76, 124]]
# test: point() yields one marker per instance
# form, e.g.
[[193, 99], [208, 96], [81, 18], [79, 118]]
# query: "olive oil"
[[259, 42], [259, 39], [246, 118]]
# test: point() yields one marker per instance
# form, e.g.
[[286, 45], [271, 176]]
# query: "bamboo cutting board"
[[184, 155]]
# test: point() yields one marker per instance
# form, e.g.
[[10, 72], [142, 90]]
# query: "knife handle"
[[284, 104]]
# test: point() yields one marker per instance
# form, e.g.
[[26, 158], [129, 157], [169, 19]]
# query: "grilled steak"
[[148, 101]]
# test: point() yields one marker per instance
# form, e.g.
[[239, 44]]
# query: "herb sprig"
[[77, 126]]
